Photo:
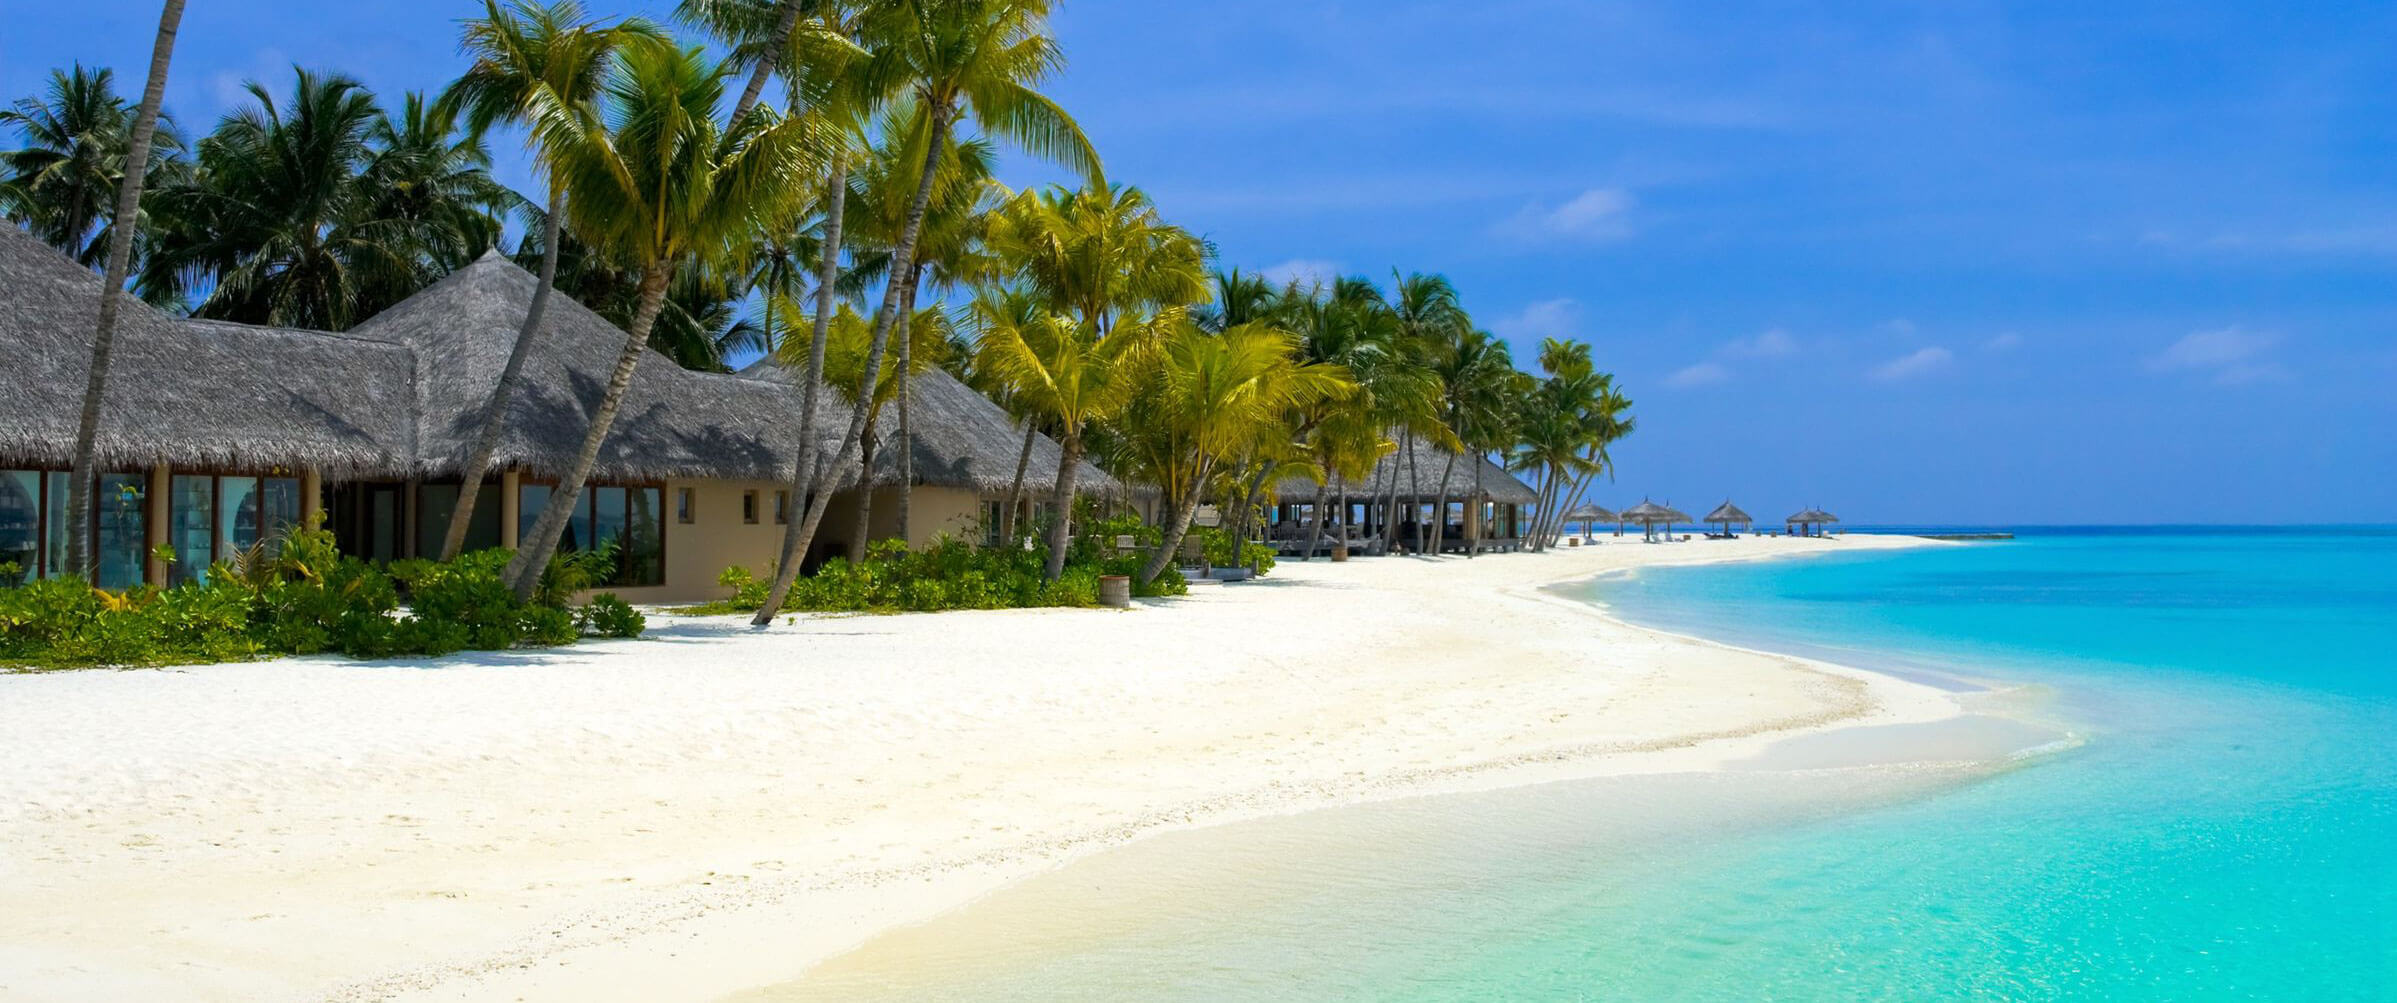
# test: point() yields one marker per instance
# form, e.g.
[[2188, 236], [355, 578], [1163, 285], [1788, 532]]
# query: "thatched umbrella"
[[1588, 516], [1726, 514], [1811, 521], [1650, 515]]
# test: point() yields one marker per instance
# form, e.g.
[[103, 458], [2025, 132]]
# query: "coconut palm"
[[660, 183], [531, 61], [956, 59], [1107, 259], [62, 183], [1468, 368], [1207, 399], [845, 353], [1427, 313], [120, 263], [1064, 370]]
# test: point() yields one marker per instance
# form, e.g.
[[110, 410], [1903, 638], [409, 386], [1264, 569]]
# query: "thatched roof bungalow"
[[1415, 481], [214, 435]]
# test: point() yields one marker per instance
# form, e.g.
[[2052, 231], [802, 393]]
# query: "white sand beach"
[[711, 808]]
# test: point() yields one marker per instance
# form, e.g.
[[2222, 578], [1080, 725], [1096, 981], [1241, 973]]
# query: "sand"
[[711, 809]]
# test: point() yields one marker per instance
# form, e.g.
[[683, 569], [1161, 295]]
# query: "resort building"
[[1481, 499], [214, 436]]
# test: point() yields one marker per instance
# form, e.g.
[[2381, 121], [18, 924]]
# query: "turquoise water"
[[2226, 831]]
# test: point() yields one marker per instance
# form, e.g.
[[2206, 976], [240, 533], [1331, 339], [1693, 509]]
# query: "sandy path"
[[710, 808]]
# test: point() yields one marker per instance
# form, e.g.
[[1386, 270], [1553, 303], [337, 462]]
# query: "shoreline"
[[1447, 720]]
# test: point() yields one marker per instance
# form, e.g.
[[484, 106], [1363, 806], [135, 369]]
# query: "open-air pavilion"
[[1648, 515], [1589, 516], [1811, 522], [1728, 515]]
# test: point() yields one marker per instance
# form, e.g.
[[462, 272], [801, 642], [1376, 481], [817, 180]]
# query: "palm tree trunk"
[[1479, 527], [1315, 536], [1183, 511], [1062, 497], [532, 557], [1440, 512], [495, 411], [1015, 490], [1414, 491], [861, 532], [907, 378], [112, 288], [1390, 514], [765, 63], [797, 531], [1341, 480], [883, 318]]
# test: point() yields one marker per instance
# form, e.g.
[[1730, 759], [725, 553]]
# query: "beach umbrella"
[[1811, 520], [1649, 515], [1727, 514], [1588, 516]]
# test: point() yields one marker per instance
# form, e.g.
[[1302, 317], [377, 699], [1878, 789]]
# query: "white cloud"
[[1305, 271], [2006, 342], [1556, 318], [1920, 362], [1702, 374], [1597, 215], [1772, 344], [2231, 355]]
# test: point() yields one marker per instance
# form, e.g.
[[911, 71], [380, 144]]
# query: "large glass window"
[[20, 525], [435, 502], [278, 508], [191, 527], [634, 518], [122, 548], [54, 528]]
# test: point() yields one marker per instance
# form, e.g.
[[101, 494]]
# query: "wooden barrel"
[[1115, 591]]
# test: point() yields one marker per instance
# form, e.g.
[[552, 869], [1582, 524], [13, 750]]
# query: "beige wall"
[[717, 538]]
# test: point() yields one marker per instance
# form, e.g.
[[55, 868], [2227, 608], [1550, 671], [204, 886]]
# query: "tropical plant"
[[661, 182], [61, 185], [956, 59], [531, 63]]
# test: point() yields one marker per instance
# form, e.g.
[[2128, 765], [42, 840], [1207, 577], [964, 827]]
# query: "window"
[[782, 507], [120, 546], [633, 518], [682, 507], [993, 513], [749, 507], [20, 525], [435, 503], [191, 527]]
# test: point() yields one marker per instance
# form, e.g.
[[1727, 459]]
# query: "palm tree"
[[531, 62], [1483, 401], [62, 183], [660, 183], [120, 262], [1106, 258], [955, 59], [1209, 399], [1061, 367], [1465, 366], [1428, 314]]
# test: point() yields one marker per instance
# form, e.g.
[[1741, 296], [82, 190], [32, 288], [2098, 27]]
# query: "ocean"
[[2222, 824]]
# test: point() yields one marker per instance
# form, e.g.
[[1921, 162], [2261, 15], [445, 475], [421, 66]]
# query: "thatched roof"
[[1727, 512], [199, 393], [674, 422], [1589, 513], [1651, 513], [1496, 484], [962, 439], [1813, 515]]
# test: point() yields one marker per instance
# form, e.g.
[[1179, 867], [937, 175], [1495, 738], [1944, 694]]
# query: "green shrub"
[[608, 616]]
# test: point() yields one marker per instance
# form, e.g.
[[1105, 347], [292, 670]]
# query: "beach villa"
[[216, 435], [1475, 496]]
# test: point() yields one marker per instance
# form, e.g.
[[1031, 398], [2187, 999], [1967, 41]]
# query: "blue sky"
[[1940, 262]]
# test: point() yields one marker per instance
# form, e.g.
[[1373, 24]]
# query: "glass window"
[[278, 509], [749, 507], [20, 524], [54, 528], [191, 527], [435, 502], [238, 500], [682, 506], [644, 548], [122, 549], [993, 513], [608, 503], [782, 507]]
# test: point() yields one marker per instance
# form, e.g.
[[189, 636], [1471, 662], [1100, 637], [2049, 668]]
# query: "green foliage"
[[608, 616], [952, 574], [306, 597]]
